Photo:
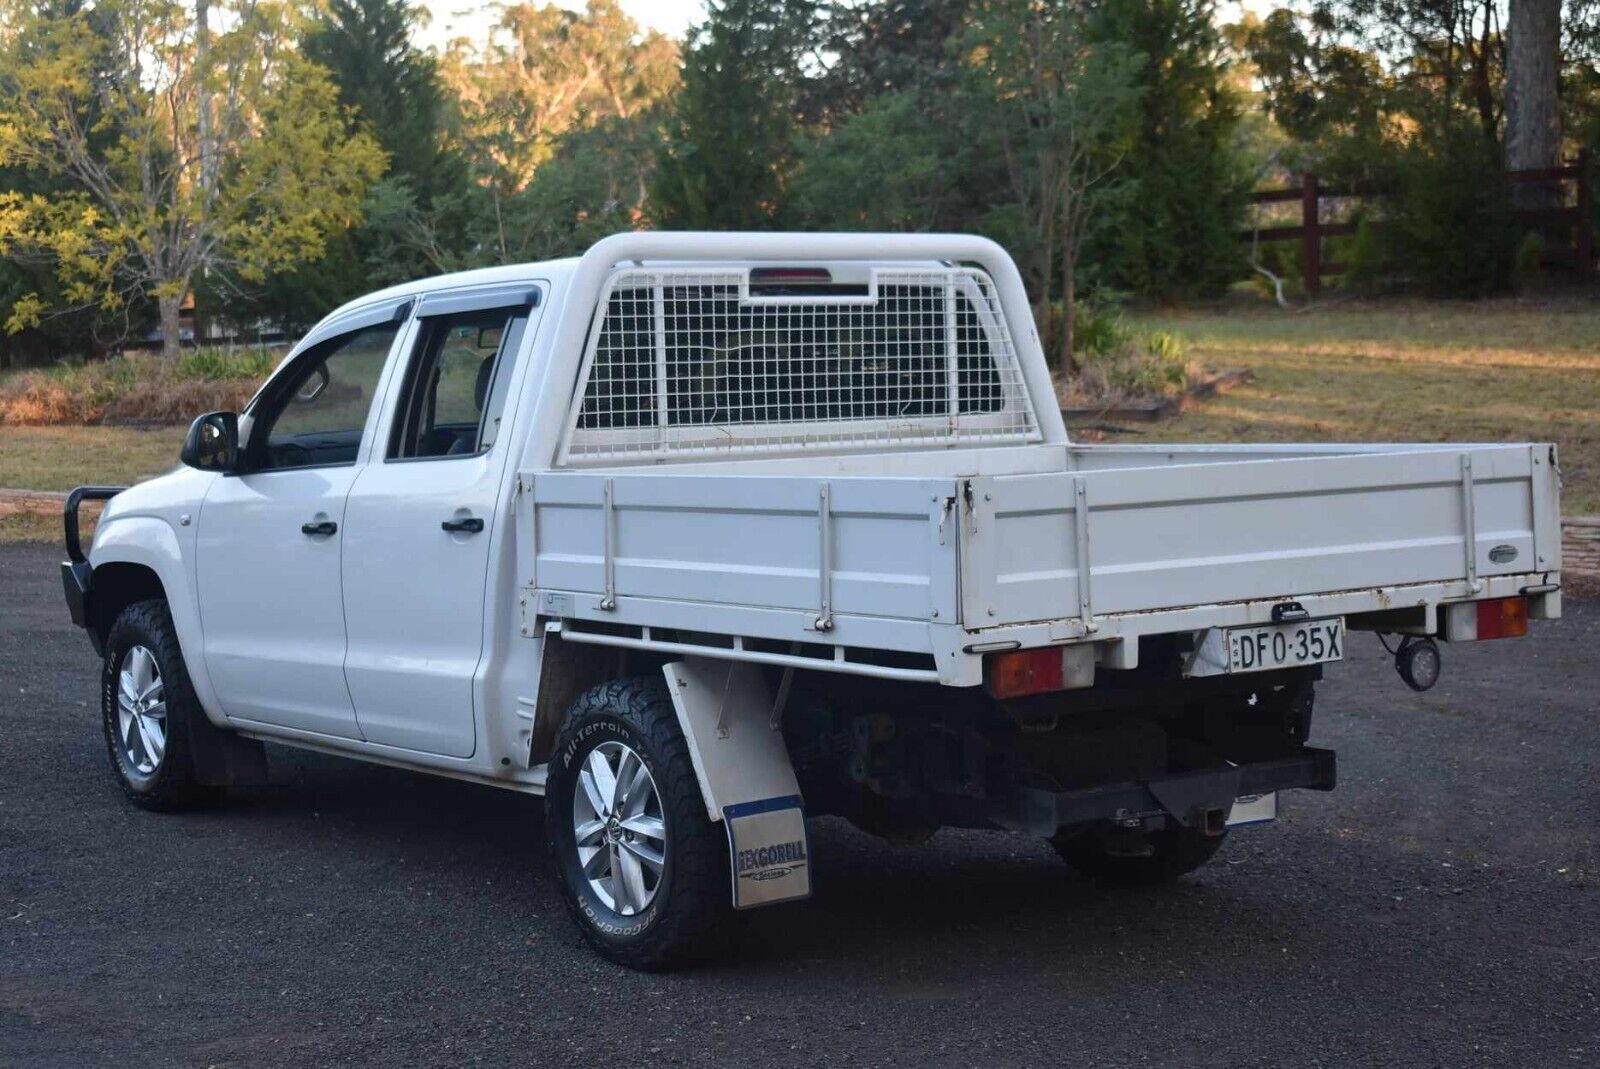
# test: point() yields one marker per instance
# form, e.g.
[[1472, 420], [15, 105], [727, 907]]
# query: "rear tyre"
[[146, 706], [1175, 851], [643, 870]]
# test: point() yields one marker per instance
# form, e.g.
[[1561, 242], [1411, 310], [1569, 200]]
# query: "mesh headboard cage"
[[694, 362]]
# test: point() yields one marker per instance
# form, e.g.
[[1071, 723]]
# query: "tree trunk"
[[1069, 282], [202, 61], [1533, 111], [169, 325], [1069, 313], [1482, 78], [1044, 268]]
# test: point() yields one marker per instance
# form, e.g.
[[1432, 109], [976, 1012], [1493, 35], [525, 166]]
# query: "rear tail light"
[[1503, 618], [1023, 672]]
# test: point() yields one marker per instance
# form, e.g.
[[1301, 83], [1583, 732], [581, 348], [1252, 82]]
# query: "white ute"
[[701, 534]]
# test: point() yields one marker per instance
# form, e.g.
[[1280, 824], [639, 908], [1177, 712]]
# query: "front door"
[[268, 550], [418, 527]]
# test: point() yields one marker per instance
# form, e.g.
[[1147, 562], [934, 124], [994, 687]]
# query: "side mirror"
[[212, 443]]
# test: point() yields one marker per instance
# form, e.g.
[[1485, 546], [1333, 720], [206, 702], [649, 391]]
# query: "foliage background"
[[1111, 145]]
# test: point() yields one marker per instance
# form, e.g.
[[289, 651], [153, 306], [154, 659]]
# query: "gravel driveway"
[[1442, 908]]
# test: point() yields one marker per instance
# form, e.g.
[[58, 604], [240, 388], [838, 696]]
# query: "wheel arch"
[[118, 584], [566, 670], [139, 557]]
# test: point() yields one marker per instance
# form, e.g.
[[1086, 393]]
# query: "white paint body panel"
[[1168, 543], [750, 542], [271, 609], [1189, 532], [414, 599], [145, 526], [922, 553]]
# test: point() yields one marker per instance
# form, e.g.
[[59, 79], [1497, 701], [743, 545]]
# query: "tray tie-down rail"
[[1190, 798]]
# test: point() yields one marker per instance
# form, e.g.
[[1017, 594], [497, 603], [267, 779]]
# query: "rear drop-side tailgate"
[[1172, 535]]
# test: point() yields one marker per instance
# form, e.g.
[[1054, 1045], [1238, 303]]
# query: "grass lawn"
[[59, 458], [1509, 370], [1429, 371], [37, 527]]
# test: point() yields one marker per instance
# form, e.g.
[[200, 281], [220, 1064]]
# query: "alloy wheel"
[[141, 711], [618, 828]]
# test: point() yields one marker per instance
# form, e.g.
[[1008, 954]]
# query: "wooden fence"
[[1580, 545], [1575, 218]]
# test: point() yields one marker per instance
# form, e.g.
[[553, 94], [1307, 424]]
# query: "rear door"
[[419, 522]]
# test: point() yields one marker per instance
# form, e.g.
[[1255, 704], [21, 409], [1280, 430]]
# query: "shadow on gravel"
[[993, 912], [964, 900]]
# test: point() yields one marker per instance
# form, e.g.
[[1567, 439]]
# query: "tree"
[[731, 132], [1320, 90], [397, 96], [549, 90], [177, 150], [1448, 225], [1174, 232], [394, 89], [1348, 75], [35, 280], [890, 166], [883, 47], [546, 71], [1057, 107], [1533, 106]]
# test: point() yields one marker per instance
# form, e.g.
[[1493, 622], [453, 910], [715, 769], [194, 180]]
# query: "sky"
[[471, 18]]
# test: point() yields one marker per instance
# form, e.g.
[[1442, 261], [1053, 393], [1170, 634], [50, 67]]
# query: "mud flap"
[[726, 712], [768, 852], [224, 759]]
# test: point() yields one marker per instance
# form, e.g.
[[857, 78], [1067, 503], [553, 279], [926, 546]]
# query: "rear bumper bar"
[[1185, 796]]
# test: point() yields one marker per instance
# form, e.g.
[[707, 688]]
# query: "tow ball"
[[1417, 660]]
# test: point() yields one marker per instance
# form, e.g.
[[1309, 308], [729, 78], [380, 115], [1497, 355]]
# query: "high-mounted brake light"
[[769, 275], [1503, 618]]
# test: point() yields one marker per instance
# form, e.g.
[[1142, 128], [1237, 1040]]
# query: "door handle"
[[324, 527], [470, 525]]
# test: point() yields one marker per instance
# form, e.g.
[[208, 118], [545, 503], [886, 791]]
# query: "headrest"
[[480, 389]]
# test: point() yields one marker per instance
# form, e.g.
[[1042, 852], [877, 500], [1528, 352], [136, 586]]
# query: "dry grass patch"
[[20, 523], [59, 458], [1489, 371], [137, 387]]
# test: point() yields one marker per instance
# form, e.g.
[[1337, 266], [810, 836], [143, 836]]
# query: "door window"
[[455, 388], [316, 415]]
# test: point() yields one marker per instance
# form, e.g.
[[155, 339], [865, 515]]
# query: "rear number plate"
[[1230, 650], [1256, 649]]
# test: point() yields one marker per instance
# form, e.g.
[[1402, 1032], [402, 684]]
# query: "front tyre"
[[146, 706], [643, 870]]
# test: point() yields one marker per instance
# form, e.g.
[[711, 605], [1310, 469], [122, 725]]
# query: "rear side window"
[[454, 393], [695, 362]]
